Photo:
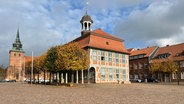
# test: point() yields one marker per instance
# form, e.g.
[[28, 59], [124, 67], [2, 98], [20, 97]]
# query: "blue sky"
[[45, 23]]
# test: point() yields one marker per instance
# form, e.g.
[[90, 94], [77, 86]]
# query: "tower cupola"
[[86, 23]]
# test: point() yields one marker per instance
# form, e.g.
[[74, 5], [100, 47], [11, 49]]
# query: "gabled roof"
[[176, 52], [101, 40], [147, 52]]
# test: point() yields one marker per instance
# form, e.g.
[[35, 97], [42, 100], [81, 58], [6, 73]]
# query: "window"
[[141, 56], [102, 55], [140, 66], [14, 54], [181, 64], [145, 65], [123, 59], [131, 66], [102, 73], [94, 55], [117, 58], [19, 54], [135, 66], [110, 73], [136, 76], [124, 74], [117, 74], [135, 57], [131, 57], [174, 75], [182, 75], [110, 56]]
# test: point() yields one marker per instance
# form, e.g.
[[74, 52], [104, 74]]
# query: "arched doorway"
[[92, 75]]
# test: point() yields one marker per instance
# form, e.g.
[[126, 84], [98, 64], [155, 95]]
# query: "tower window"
[[85, 25], [19, 54], [14, 54]]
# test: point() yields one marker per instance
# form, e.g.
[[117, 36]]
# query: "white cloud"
[[159, 23], [44, 23]]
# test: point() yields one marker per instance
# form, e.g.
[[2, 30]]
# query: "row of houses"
[[141, 59]]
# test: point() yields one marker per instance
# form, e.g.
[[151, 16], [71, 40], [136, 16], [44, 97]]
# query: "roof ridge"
[[105, 35]]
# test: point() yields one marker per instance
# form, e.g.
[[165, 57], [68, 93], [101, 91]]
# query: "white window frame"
[[102, 53], [182, 75], [110, 56], [111, 74], [124, 74], [103, 73], [117, 57], [181, 64], [94, 54], [117, 74]]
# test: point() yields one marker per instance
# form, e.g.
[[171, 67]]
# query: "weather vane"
[[87, 6]]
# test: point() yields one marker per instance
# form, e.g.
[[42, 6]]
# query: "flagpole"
[[32, 69]]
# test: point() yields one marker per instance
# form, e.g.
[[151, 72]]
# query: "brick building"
[[16, 60], [174, 53], [141, 59], [139, 62]]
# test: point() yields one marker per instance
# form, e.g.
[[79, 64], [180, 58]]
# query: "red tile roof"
[[29, 58], [102, 40], [176, 52], [146, 51]]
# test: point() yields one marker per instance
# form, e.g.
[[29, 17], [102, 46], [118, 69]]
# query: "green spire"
[[17, 46]]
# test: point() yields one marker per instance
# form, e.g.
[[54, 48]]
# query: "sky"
[[46, 23]]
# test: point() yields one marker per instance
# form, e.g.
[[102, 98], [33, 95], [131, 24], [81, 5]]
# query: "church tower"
[[86, 23], [16, 59]]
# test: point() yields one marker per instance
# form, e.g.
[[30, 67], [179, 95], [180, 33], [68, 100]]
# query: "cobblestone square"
[[136, 93]]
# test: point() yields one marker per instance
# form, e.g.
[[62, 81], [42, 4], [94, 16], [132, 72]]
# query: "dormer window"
[[162, 56], [107, 43]]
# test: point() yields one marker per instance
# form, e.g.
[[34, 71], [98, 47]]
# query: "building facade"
[[108, 55], [174, 53], [16, 60], [140, 61]]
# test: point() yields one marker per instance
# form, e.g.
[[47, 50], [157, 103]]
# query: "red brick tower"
[[16, 59]]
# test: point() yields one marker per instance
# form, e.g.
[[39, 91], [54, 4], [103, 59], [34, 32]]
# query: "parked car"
[[152, 80], [7, 80], [135, 80], [12, 80]]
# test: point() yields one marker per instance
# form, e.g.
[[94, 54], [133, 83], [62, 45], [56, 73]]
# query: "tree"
[[155, 66], [72, 58], [50, 60], [168, 66], [2, 72]]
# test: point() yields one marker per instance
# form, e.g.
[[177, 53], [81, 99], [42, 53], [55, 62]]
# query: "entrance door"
[[92, 75]]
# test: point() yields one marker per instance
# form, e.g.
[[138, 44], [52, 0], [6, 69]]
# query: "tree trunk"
[[88, 75], [77, 77], [72, 78], [62, 78], [66, 78], [50, 77], [82, 77], [38, 77], [178, 78], [44, 76], [59, 77], [56, 77]]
